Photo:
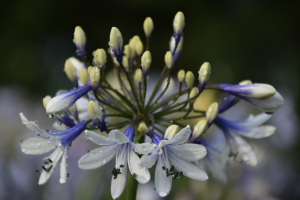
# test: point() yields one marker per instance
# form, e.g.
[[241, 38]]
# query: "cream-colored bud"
[[132, 43], [70, 71], [79, 37], [171, 132], [95, 77], [143, 129], [46, 100], [194, 93], [181, 75], [139, 47], [199, 129], [116, 40], [245, 82], [99, 57], [125, 62], [148, 26], [172, 45], [138, 75], [204, 72], [179, 22], [212, 112], [94, 110], [116, 62], [89, 69], [169, 59], [146, 60], [189, 79], [84, 76], [127, 51]]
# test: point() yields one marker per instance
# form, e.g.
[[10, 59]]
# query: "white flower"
[[120, 145], [48, 141], [174, 154], [249, 128]]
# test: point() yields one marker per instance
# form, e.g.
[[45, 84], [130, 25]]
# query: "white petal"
[[63, 168], [118, 136], [259, 132], [189, 170], [97, 138], [84, 116], [148, 160], [254, 121], [37, 145], [163, 183], [189, 152], [59, 126], [142, 174], [55, 156], [245, 151], [98, 157], [32, 126], [268, 105], [144, 148], [181, 137], [118, 184]]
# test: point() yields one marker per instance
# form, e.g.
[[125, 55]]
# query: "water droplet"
[[23, 150], [38, 144], [104, 161], [162, 193], [50, 116], [245, 157]]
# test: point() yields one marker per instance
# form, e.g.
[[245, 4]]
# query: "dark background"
[[251, 39]]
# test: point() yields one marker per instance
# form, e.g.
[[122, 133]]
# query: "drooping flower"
[[47, 141], [173, 154], [250, 128], [120, 145], [65, 100]]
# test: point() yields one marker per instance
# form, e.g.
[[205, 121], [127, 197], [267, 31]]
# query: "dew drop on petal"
[[162, 193]]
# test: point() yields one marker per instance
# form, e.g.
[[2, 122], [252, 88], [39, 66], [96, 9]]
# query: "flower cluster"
[[95, 106]]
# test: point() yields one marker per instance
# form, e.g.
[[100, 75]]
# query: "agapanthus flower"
[[47, 141], [173, 154], [120, 145]]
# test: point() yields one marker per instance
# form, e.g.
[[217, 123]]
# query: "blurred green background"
[[250, 39]]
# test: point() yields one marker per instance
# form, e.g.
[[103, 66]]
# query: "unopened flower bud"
[[245, 82], [139, 47], [116, 43], [99, 57], [179, 22], [199, 129], [181, 75], [95, 77], [96, 114], [89, 69], [169, 59], [132, 43], [84, 76], [189, 79], [138, 75], [194, 93], [79, 40], [71, 72], [204, 72], [125, 62], [146, 60], [148, 26], [46, 100], [143, 129], [171, 132], [212, 112], [127, 51]]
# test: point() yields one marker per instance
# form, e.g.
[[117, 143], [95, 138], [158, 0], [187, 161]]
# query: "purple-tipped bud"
[[130, 133]]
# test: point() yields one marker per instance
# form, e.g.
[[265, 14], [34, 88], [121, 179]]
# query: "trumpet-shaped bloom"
[[120, 145], [48, 141], [173, 155], [64, 101], [250, 128]]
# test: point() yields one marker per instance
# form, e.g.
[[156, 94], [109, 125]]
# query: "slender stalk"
[[156, 87], [145, 88], [147, 43], [140, 92], [161, 94]]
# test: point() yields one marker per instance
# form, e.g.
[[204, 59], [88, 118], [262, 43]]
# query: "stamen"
[[121, 166], [176, 174], [115, 172], [68, 175], [37, 171], [172, 168], [50, 160], [164, 168], [181, 174]]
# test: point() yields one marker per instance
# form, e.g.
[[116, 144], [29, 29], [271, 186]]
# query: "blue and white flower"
[[263, 96], [120, 145], [174, 154], [64, 101], [47, 141], [116, 43], [80, 40], [250, 128]]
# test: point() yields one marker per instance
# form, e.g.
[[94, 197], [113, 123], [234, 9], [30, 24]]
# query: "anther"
[[164, 168], [176, 174], [121, 166], [172, 168], [37, 171], [68, 175], [181, 174], [50, 161]]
